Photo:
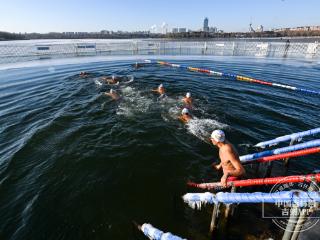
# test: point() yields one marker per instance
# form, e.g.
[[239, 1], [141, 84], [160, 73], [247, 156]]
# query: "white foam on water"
[[202, 128], [172, 114], [98, 82], [130, 79], [171, 109], [132, 102]]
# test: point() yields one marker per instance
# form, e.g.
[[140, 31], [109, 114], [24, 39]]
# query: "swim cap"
[[188, 95], [113, 77], [185, 111], [218, 136], [161, 85]]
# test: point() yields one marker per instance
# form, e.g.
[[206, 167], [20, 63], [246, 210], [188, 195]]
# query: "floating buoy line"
[[233, 76]]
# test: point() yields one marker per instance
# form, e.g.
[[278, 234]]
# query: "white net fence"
[[25, 52]]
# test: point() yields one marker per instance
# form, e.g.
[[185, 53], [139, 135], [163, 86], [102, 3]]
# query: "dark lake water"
[[76, 165]]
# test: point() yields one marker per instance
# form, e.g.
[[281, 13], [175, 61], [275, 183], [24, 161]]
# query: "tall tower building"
[[206, 25]]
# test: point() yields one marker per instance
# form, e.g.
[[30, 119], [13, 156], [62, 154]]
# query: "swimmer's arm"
[[154, 90], [217, 166]]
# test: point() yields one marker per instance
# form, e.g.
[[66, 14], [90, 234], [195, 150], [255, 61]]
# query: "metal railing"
[[20, 52]]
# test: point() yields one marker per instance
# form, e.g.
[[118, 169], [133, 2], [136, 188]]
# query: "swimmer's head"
[[161, 85], [185, 111], [218, 136], [188, 95]]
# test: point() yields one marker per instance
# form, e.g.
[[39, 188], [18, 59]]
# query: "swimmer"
[[230, 162], [187, 99], [84, 74], [185, 115], [138, 65], [111, 80], [113, 94], [160, 90]]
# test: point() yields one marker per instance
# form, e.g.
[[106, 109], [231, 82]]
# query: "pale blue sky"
[[131, 15]]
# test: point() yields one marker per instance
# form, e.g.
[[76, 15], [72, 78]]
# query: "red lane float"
[[287, 155], [258, 181]]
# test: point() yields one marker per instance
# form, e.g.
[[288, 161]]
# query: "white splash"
[[98, 83], [130, 79], [132, 102], [202, 128]]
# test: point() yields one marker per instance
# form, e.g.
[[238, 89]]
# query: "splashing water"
[[202, 128], [133, 102], [98, 83]]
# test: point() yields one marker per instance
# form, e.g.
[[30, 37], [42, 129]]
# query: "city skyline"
[[142, 15]]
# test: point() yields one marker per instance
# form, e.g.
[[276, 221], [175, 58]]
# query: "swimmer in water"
[[185, 115], [113, 94], [187, 100], [111, 80], [160, 90], [84, 74], [230, 162], [138, 65]]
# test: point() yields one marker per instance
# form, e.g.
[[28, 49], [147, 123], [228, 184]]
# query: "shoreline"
[[182, 39]]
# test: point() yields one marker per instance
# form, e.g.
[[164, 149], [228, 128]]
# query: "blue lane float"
[[197, 200], [234, 76], [155, 234], [254, 156], [289, 137]]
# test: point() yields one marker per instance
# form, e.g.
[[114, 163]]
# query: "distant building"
[[68, 33], [213, 30], [175, 30], [206, 25], [296, 29], [104, 32], [182, 30], [315, 28]]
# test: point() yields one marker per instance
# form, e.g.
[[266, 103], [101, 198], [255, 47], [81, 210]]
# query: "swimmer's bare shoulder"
[[227, 152]]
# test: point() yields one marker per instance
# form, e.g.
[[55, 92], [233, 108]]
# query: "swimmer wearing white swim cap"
[[159, 90], [187, 100], [230, 162], [185, 115]]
